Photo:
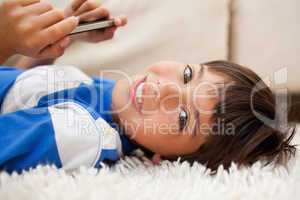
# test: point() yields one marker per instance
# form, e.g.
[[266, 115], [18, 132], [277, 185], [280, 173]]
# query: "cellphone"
[[90, 26]]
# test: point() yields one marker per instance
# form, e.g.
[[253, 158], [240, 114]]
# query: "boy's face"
[[168, 109]]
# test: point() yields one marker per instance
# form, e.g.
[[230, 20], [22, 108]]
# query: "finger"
[[61, 29], [55, 50], [120, 21], [76, 4], [109, 32], [98, 13], [20, 2], [85, 7], [104, 35], [27, 2], [39, 8], [50, 18]]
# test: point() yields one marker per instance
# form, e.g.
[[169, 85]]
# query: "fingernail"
[[64, 43], [118, 22]]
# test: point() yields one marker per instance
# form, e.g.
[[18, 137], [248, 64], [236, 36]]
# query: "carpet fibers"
[[137, 178]]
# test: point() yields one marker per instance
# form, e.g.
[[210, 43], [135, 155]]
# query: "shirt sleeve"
[[8, 75], [27, 139], [67, 135]]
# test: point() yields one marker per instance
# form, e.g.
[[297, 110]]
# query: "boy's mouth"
[[137, 91]]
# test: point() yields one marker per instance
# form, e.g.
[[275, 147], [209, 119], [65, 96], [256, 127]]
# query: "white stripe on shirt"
[[78, 139], [35, 83]]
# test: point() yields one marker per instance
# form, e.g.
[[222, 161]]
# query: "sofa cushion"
[[266, 37]]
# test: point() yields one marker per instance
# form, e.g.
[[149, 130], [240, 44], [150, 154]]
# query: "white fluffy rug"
[[133, 179]]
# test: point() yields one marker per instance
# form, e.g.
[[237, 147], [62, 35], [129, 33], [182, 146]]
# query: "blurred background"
[[260, 34]]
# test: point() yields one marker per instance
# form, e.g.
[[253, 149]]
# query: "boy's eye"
[[187, 74], [183, 118]]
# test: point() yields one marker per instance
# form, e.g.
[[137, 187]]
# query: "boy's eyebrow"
[[200, 72]]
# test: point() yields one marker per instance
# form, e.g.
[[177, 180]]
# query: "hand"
[[33, 28], [88, 11]]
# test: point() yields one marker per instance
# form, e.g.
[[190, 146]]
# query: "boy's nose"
[[162, 93], [169, 96]]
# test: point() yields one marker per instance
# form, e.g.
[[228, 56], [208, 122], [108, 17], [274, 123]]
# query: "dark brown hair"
[[254, 138]]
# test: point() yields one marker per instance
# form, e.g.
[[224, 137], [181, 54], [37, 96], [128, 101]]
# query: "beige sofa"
[[265, 35], [262, 34]]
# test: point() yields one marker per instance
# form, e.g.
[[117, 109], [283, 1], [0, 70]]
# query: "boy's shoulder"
[[81, 137]]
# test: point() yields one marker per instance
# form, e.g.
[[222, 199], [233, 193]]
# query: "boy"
[[209, 113], [206, 113]]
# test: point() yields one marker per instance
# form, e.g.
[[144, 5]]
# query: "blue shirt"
[[57, 115]]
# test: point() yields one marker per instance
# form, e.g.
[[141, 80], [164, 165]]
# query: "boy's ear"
[[156, 158]]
